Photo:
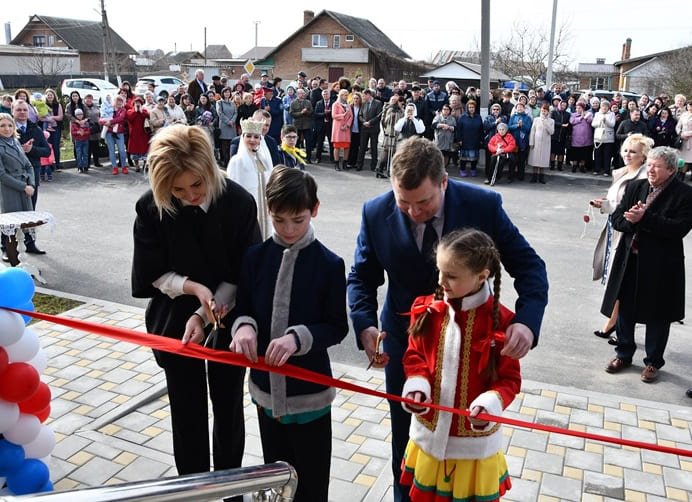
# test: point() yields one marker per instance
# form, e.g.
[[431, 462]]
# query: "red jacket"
[[138, 142], [507, 142], [80, 132]]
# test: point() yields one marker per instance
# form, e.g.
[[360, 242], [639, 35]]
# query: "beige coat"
[[539, 141], [684, 129]]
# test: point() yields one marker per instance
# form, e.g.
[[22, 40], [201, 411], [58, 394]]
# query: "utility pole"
[[256, 25], [108, 51], [205, 46], [104, 32], [485, 56], [549, 74]]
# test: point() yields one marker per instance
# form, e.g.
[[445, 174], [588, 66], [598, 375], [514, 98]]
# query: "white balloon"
[[9, 414], [11, 327], [25, 348], [24, 431], [42, 445], [39, 361]]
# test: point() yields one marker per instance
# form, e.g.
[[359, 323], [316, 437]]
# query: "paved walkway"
[[111, 420]]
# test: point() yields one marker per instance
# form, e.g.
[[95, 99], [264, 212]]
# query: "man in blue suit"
[[393, 230]]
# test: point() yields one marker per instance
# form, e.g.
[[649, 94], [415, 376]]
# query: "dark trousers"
[[353, 151], [368, 136], [187, 391], [401, 419], [307, 447], [656, 337], [94, 151], [54, 141], [602, 156], [225, 152], [522, 156], [305, 141], [325, 131], [502, 161]]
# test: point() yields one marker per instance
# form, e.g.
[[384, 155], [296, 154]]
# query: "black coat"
[[206, 247], [660, 294]]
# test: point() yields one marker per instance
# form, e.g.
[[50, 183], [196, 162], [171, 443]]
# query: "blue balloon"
[[29, 307], [11, 457], [16, 287], [30, 477], [48, 487]]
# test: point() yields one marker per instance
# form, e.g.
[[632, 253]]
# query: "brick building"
[[86, 37], [333, 45]]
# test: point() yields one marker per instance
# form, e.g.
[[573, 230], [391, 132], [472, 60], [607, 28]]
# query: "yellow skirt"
[[457, 480]]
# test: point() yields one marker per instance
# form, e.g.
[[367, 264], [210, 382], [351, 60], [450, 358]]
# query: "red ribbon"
[[200, 352]]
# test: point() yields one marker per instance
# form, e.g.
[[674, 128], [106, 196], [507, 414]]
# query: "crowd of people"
[[282, 295]]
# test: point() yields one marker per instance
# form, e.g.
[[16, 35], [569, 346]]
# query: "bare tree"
[[676, 74], [46, 63], [523, 54]]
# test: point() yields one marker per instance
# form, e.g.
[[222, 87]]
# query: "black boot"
[[541, 178], [534, 178], [559, 166], [552, 165]]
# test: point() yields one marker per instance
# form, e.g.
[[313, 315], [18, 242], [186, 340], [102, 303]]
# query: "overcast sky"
[[598, 28]]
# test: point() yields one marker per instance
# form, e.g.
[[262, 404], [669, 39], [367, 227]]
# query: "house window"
[[319, 41], [600, 83], [39, 41], [337, 41], [350, 38], [51, 40]]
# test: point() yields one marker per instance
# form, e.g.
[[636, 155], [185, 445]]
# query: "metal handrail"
[[279, 477]]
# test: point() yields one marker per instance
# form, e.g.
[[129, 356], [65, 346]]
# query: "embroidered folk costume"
[[455, 364]]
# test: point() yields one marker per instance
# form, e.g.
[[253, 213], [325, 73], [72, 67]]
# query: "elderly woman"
[[502, 146], [444, 125], [634, 151], [648, 272], [191, 231], [684, 130], [342, 119], [542, 128], [582, 138], [603, 123], [469, 134], [228, 118]]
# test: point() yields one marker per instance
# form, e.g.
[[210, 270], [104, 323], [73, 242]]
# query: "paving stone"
[[342, 469], [572, 401], [58, 469], [622, 458], [522, 490], [69, 423], [67, 367], [100, 411], [515, 405], [341, 431], [584, 460], [566, 441], [644, 482], [653, 415], [83, 384], [132, 388], [96, 472], [551, 418], [142, 469], [530, 387], [558, 486], [620, 416], [586, 418], [677, 479], [105, 364], [119, 375], [95, 397], [253, 445], [604, 400], [84, 344], [682, 413], [603, 484], [371, 430], [131, 436], [376, 465], [342, 449], [638, 434], [58, 407], [342, 491], [375, 448], [95, 354], [102, 450], [69, 445], [340, 414], [364, 400], [660, 458], [539, 402], [369, 414], [136, 421], [544, 462], [530, 440], [164, 442], [671, 433], [514, 466]]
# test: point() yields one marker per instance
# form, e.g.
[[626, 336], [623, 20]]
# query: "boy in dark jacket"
[[291, 306]]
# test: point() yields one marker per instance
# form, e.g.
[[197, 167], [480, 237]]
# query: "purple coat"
[[582, 132]]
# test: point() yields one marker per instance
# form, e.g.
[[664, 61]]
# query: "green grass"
[[49, 304], [66, 148]]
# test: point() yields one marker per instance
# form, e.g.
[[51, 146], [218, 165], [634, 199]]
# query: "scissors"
[[377, 356], [213, 334]]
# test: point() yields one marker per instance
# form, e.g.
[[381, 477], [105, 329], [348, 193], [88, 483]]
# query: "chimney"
[[600, 60], [627, 49], [8, 34], [308, 16]]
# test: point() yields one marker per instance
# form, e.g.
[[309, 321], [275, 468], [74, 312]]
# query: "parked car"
[[95, 86], [164, 85], [602, 93]]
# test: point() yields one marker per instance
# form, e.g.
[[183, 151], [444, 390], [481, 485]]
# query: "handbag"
[[677, 144], [147, 126]]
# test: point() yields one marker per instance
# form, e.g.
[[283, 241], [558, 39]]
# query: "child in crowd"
[[6, 104], [291, 156], [80, 131], [47, 162], [453, 359], [290, 308], [39, 103]]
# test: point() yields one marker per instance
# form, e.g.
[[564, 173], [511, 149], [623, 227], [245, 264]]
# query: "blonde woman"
[[342, 119], [191, 231]]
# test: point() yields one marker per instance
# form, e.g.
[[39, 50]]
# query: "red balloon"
[[43, 414], [18, 382], [38, 401], [4, 359]]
